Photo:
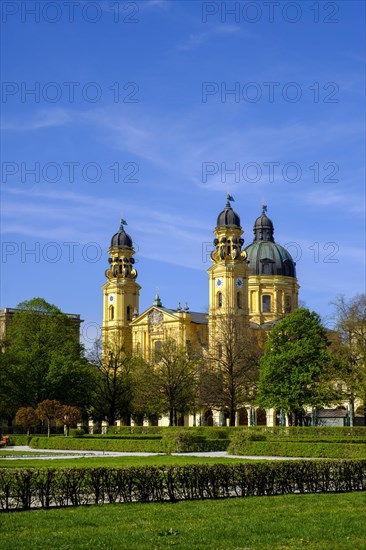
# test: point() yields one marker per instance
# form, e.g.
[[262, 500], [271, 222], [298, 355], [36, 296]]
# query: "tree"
[[173, 379], [70, 416], [49, 410], [43, 358], [351, 348], [229, 378], [26, 417], [112, 392], [295, 370]]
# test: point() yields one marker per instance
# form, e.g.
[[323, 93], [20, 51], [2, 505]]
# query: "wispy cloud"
[[46, 118]]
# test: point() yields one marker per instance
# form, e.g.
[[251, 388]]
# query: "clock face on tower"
[[219, 282], [111, 298], [239, 282]]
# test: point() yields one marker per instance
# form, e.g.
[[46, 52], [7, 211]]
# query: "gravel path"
[[53, 453]]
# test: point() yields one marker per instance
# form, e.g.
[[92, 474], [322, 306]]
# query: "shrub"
[[76, 432], [182, 442]]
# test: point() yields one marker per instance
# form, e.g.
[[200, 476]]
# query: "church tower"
[[228, 276], [120, 292]]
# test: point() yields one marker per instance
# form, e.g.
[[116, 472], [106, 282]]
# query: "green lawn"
[[316, 522], [113, 461]]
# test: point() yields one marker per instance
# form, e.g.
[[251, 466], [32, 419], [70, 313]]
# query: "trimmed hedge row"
[[297, 449], [161, 445], [210, 432], [86, 444], [25, 489], [276, 432]]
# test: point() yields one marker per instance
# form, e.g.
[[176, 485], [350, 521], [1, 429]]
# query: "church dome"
[[228, 216], [121, 239], [264, 255]]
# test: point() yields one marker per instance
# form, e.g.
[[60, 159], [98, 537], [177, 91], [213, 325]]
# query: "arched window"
[[266, 269], [128, 313], [111, 313], [288, 304], [238, 300], [266, 303], [219, 299], [157, 349], [219, 350]]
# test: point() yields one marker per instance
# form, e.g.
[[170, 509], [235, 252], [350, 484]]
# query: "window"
[[219, 351], [287, 304], [157, 348], [128, 313], [266, 303], [111, 313], [238, 300], [266, 269], [219, 299]]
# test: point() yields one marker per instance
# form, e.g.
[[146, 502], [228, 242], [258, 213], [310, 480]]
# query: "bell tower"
[[120, 292], [228, 276]]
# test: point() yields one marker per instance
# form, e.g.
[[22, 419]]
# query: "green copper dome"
[[264, 255]]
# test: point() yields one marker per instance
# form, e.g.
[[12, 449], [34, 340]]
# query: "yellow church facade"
[[255, 285]]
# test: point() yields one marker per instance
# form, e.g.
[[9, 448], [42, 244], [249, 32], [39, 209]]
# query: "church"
[[255, 284]]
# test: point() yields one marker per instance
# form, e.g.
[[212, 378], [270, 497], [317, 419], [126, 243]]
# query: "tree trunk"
[[301, 419], [232, 416], [48, 428], [171, 416]]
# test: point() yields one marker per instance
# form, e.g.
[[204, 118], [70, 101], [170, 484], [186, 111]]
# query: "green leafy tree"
[[26, 417], [295, 370], [49, 410], [43, 358]]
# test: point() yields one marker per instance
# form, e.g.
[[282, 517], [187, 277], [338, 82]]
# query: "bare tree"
[[112, 390], [231, 367], [173, 379], [350, 319]]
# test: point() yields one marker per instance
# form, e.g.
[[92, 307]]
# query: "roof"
[[278, 260]]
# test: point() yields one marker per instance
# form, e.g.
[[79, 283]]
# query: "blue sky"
[[154, 110]]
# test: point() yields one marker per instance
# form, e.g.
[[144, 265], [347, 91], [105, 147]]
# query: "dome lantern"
[[263, 227]]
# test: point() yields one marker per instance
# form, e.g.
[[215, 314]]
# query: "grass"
[[291, 522], [113, 461]]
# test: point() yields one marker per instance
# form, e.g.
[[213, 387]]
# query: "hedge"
[[45, 488], [241, 446], [128, 445], [210, 432], [275, 432], [86, 444]]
